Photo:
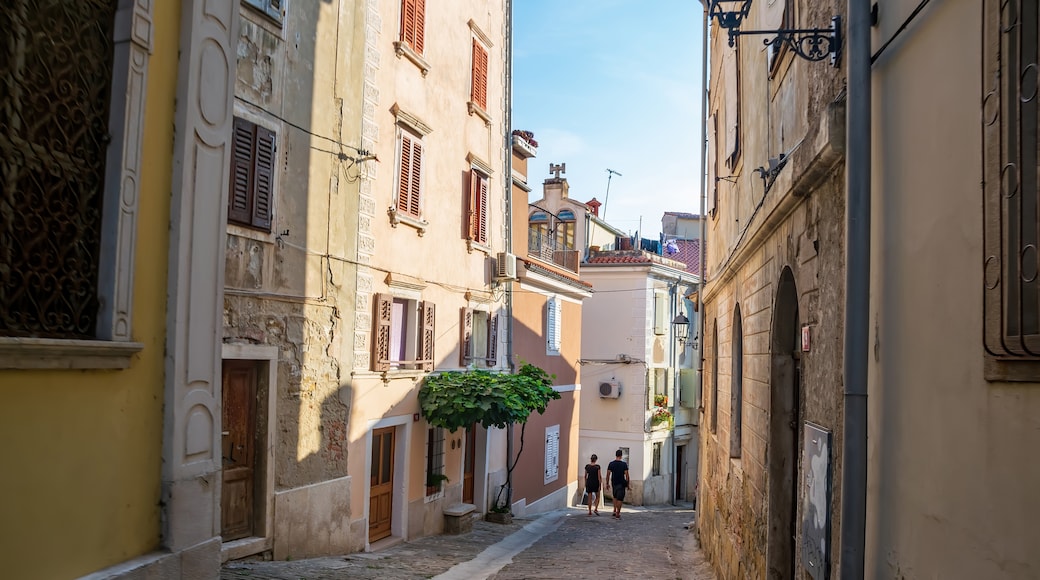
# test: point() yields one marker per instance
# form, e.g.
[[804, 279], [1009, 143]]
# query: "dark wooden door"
[[381, 482], [239, 449], [469, 465]]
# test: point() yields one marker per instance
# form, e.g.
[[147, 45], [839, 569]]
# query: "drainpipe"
[[704, 226], [857, 294], [508, 179]]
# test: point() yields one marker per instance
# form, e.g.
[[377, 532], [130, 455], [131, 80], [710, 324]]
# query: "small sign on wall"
[[806, 338]]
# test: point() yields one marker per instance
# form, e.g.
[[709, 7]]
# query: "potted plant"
[[500, 514], [434, 482], [660, 400], [661, 415]]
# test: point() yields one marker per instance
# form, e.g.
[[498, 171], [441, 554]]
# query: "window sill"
[[1011, 371], [434, 497], [397, 217], [52, 353], [472, 245], [402, 49], [475, 109]]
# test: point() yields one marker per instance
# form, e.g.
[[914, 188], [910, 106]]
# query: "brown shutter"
[[482, 210], [478, 92], [466, 341], [420, 26], [239, 198], [404, 172], [492, 341], [381, 332], [471, 206], [415, 179], [264, 186], [407, 21], [427, 314]]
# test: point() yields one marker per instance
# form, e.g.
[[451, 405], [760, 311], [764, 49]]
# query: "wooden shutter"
[[427, 313], [404, 172], [478, 93], [477, 218], [731, 80], [466, 340], [407, 20], [264, 185], [713, 164], [492, 341], [239, 198], [382, 321], [415, 179], [552, 325], [419, 34]]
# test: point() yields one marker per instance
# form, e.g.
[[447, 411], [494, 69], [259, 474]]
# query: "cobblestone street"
[[644, 543]]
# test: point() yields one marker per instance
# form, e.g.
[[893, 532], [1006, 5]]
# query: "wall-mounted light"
[[813, 44], [682, 327]]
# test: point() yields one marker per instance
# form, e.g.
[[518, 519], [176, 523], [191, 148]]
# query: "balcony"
[[544, 248]]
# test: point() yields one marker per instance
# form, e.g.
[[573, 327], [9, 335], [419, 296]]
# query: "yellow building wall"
[[82, 450]]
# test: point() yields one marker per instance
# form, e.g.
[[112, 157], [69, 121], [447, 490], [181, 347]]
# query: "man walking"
[[617, 472]]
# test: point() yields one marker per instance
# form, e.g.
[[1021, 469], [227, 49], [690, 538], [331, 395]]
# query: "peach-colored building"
[[546, 302]]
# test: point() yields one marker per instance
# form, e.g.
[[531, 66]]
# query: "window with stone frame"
[[251, 187], [403, 334], [70, 157], [479, 341], [1011, 180]]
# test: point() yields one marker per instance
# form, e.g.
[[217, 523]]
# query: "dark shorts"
[[592, 488], [618, 491]]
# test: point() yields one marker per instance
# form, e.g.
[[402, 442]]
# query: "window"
[[715, 377], [655, 465], [477, 214], [553, 326], [252, 176], [660, 313], [479, 75], [403, 335], [713, 165], [731, 78], [69, 196], [435, 477], [479, 345], [413, 24], [564, 233], [538, 240], [1011, 179], [409, 175], [271, 8], [737, 385], [552, 454]]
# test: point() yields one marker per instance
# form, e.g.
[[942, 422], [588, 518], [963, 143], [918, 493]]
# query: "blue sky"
[[613, 84]]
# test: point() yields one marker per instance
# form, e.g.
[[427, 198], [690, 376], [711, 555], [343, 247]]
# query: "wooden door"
[[381, 483], [239, 449], [471, 456]]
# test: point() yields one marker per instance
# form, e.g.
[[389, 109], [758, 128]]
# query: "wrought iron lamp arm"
[[814, 44]]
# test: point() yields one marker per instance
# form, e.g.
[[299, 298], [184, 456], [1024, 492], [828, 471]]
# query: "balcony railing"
[[545, 248]]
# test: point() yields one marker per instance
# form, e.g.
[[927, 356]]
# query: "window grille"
[[655, 468], [56, 68], [1010, 117]]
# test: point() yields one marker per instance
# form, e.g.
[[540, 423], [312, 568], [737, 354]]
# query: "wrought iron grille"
[[56, 68]]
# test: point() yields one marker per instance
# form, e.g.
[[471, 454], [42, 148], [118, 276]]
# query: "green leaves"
[[457, 399]]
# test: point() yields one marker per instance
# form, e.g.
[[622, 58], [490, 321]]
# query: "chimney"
[[594, 205]]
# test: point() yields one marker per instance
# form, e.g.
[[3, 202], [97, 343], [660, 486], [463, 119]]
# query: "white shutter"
[[552, 453], [553, 318]]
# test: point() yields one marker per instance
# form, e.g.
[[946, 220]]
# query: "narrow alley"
[[567, 543]]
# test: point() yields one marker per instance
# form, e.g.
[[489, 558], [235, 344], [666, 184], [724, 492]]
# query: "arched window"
[[565, 231], [737, 385], [538, 233]]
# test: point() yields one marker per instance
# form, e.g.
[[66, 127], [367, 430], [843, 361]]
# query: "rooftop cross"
[[557, 169]]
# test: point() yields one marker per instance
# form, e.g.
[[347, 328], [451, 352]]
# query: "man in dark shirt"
[[618, 474]]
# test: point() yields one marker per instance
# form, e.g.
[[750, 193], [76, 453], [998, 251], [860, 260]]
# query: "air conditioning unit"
[[610, 389], [505, 266]]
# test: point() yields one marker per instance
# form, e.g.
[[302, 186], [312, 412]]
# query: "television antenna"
[[610, 173]]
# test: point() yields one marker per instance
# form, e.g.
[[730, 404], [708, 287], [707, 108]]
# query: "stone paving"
[[644, 543]]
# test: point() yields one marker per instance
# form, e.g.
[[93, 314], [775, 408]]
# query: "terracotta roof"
[[555, 275], [690, 254], [616, 259]]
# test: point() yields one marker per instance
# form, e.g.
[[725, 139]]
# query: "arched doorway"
[[784, 427]]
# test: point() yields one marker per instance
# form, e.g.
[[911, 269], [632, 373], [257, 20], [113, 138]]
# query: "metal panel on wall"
[[816, 467]]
